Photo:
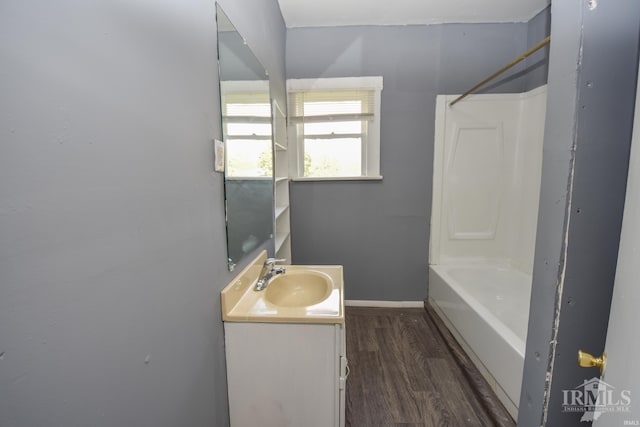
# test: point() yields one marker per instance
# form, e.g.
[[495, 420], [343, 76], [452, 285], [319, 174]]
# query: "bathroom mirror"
[[246, 131]]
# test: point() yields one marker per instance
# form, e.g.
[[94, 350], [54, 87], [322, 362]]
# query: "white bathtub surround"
[[487, 166], [486, 183]]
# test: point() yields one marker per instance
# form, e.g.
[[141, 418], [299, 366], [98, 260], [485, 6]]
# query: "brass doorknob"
[[586, 360]]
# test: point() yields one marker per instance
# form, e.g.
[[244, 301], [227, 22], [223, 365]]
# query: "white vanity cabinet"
[[286, 374]]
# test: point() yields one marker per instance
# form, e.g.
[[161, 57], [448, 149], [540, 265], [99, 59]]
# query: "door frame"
[[593, 65]]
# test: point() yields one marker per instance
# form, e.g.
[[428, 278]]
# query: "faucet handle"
[[271, 261]]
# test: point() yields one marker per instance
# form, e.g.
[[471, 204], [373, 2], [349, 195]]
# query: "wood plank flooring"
[[403, 372]]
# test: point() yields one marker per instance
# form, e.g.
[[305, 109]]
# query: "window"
[[336, 125], [246, 121]]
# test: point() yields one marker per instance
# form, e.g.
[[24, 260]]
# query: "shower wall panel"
[[486, 178]]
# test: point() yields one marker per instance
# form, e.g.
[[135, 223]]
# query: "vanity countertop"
[[241, 303]]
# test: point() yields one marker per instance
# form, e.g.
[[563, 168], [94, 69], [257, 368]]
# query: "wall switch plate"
[[218, 155]]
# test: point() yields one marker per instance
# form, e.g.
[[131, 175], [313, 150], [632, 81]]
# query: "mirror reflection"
[[247, 135]]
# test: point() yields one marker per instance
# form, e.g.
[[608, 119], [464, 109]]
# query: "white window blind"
[[332, 106]]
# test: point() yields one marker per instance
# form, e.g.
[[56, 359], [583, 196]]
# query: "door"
[[619, 389]]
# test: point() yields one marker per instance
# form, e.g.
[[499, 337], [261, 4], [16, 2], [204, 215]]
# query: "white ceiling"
[[330, 13]]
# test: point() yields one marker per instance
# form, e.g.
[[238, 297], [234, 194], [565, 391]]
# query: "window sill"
[[337, 178]]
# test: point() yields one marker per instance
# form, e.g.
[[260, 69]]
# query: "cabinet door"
[[282, 374], [344, 372]]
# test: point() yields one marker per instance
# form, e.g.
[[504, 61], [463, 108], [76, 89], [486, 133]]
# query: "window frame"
[[244, 92], [370, 150]]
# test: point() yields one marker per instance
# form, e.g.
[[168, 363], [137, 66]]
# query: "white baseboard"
[[388, 304]]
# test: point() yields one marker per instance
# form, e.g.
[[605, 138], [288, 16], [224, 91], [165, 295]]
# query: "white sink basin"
[[299, 288]]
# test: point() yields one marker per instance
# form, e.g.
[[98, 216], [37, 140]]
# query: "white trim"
[[244, 86], [337, 178], [387, 304], [371, 82], [373, 137], [248, 178], [436, 195]]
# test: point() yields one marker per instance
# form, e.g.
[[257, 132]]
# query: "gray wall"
[[262, 26], [537, 65], [112, 245], [239, 62], [592, 80], [379, 231]]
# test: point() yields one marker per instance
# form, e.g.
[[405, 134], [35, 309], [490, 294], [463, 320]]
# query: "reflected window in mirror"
[[247, 126]]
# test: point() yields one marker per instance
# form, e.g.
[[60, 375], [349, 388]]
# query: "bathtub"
[[486, 307]]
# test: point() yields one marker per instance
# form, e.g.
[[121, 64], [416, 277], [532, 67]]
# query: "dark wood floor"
[[404, 373]]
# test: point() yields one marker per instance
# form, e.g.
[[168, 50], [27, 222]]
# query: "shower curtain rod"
[[535, 48]]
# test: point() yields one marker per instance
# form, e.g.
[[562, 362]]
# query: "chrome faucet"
[[268, 271]]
